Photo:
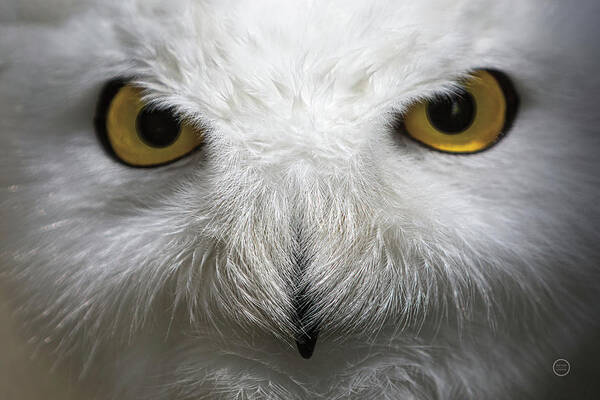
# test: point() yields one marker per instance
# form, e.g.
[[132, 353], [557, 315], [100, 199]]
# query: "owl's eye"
[[469, 121], [140, 135]]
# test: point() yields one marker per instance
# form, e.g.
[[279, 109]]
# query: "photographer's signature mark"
[[561, 367]]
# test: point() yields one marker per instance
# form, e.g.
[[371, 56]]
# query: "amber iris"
[[146, 136], [468, 121]]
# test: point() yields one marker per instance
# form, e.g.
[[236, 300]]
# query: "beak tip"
[[306, 347]]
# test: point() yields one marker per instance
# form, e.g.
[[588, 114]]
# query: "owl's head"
[[261, 171]]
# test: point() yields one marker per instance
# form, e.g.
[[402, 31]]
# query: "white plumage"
[[431, 275]]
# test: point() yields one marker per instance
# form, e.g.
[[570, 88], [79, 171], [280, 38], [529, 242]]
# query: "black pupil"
[[157, 128], [452, 115]]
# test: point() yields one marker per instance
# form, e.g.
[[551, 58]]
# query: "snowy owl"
[[320, 200]]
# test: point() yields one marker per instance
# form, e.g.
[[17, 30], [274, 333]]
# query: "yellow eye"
[[140, 135], [469, 121]]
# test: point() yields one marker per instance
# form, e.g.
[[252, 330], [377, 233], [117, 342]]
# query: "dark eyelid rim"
[[107, 94], [512, 108]]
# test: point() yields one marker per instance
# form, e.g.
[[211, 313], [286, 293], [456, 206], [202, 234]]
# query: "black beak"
[[306, 343], [309, 332]]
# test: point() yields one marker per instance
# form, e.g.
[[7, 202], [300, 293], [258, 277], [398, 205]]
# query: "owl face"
[[307, 210]]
